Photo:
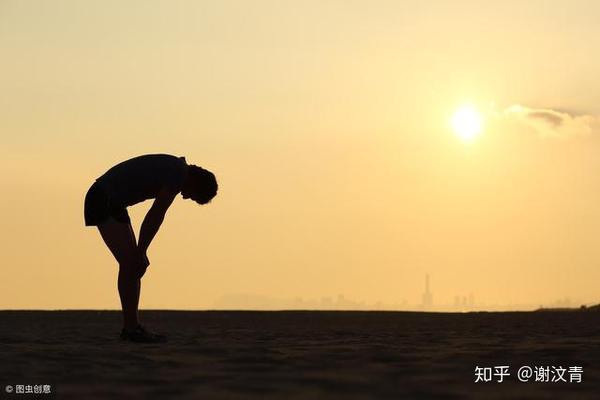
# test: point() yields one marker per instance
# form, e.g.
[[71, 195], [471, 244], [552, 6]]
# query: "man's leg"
[[120, 239], [138, 279]]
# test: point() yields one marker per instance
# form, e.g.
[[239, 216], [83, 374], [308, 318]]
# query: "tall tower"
[[427, 297]]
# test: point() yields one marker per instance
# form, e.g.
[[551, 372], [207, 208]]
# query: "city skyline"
[[459, 303]]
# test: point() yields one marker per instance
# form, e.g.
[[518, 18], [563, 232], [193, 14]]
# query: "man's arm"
[[154, 218]]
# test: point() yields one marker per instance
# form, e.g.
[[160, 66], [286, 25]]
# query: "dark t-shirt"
[[141, 178]]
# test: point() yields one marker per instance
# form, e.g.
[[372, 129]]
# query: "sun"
[[467, 123]]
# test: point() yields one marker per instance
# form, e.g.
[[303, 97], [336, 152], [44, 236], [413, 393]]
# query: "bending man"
[[154, 176]]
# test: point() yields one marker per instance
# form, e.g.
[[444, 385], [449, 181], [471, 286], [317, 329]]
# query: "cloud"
[[553, 123], [551, 117]]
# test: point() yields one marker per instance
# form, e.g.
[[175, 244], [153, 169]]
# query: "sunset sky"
[[329, 127]]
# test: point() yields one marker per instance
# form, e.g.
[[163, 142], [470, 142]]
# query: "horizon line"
[[562, 309]]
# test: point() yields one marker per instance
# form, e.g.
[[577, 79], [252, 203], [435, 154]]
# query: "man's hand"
[[144, 262]]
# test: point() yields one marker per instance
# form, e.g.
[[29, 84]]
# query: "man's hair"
[[203, 184]]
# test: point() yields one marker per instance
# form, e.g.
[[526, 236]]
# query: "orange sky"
[[327, 125]]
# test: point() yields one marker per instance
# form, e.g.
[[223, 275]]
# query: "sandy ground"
[[298, 355]]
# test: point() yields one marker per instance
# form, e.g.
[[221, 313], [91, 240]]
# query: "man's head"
[[200, 185]]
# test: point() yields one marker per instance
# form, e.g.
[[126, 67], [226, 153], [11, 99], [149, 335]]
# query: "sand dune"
[[298, 355]]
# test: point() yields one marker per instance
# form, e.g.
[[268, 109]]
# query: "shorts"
[[98, 207]]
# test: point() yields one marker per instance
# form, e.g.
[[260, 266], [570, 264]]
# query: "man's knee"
[[129, 267]]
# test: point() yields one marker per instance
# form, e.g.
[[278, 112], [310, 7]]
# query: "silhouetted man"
[[155, 176]]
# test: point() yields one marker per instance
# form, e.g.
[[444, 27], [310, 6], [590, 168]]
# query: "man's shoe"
[[141, 335]]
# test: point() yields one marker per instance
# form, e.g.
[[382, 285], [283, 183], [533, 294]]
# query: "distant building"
[[427, 297]]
